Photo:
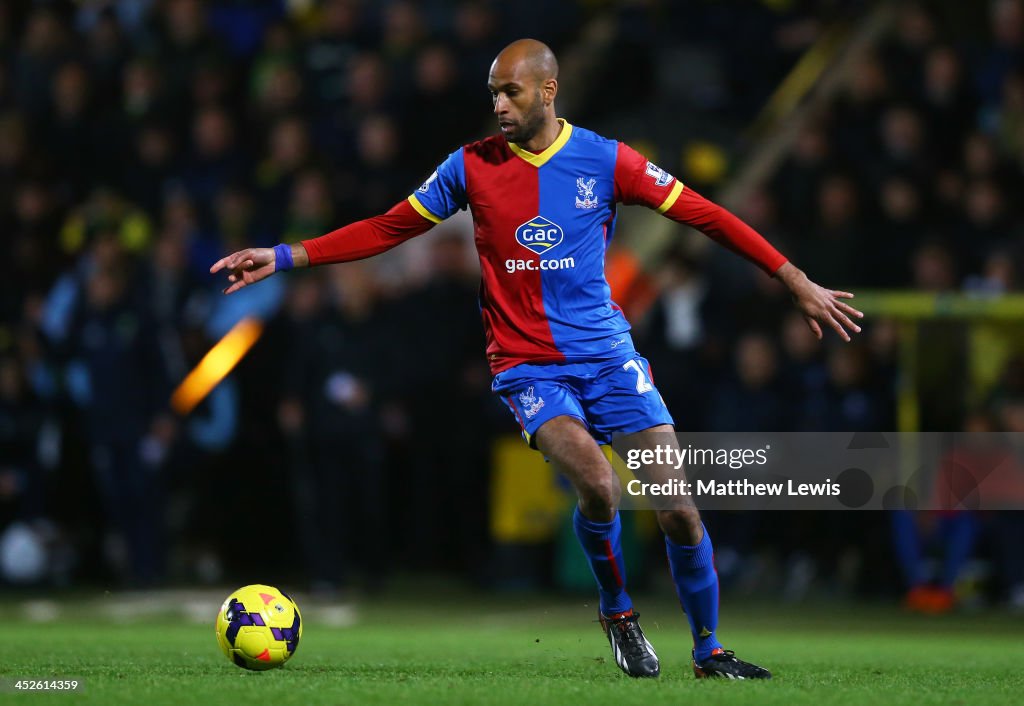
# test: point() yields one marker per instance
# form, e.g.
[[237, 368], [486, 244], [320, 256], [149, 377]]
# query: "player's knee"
[[681, 524], [599, 497]]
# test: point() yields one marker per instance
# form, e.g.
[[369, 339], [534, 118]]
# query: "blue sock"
[[693, 571], [601, 542], [958, 533], [906, 543]]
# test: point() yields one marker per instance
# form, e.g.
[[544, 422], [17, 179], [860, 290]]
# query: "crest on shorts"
[[530, 402], [586, 190]]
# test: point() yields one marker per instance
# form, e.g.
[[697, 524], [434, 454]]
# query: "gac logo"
[[539, 235]]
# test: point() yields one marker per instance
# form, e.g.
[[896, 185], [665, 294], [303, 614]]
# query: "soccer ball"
[[259, 627]]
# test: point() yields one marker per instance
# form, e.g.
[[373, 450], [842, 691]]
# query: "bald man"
[[543, 196]]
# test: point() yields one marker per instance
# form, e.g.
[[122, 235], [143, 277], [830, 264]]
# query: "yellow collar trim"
[[541, 158]]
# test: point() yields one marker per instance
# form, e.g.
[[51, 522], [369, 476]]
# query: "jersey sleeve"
[[444, 192], [692, 209], [639, 181], [642, 182], [368, 237]]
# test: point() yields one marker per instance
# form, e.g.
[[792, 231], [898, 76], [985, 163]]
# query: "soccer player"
[[543, 195]]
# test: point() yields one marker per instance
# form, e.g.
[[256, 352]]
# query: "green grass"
[[465, 649]]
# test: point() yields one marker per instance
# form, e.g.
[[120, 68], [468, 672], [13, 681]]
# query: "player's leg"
[[545, 402], [572, 450], [691, 560], [688, 544], [553, 421], [621, 397]]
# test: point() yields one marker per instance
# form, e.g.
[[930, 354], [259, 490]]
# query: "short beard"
[[532, 122]]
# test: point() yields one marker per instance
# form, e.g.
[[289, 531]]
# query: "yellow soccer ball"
[[259, 627]]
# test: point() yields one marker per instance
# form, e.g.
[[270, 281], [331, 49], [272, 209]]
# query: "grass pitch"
[[468, 649]]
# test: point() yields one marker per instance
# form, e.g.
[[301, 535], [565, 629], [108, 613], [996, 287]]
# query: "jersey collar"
[[539, 159]]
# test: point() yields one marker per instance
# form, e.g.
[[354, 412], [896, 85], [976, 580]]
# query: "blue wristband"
[[283, 258]]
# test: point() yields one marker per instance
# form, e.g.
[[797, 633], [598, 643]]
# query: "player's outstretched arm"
[[355, 241], [642, 182], [251, 265], [820, 306]]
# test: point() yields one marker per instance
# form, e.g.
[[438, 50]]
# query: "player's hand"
[[820, 306], [245, 267]]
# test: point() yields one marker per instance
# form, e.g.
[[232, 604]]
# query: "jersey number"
[[642, 385]]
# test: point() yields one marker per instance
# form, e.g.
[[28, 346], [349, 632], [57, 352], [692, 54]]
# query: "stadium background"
[[879, 145]]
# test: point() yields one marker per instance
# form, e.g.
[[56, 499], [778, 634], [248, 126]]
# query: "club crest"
[[586, 198], [530, 402]]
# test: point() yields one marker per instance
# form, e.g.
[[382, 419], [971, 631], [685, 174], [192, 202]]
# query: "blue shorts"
[[608, 396]]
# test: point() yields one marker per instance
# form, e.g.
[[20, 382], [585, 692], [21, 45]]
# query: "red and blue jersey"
[[542, 224]]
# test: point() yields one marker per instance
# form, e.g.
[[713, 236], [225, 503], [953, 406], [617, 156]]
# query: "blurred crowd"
[[904, 181], [908, 178], [142, 139]]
